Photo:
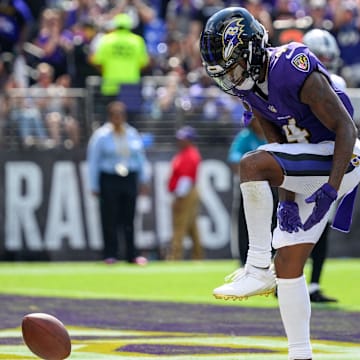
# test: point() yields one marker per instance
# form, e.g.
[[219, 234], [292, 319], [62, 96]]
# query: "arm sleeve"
[[238, 148], [93, 161]]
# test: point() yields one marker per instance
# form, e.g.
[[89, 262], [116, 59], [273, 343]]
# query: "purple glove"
[[323, 198], [288, 216], [248, 116]]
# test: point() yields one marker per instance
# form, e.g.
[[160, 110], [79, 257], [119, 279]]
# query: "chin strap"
[[343, 216]]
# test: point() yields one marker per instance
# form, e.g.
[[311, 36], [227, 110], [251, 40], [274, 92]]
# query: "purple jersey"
[[289, 67]]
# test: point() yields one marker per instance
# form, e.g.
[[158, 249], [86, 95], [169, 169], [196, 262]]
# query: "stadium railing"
[[40, 118], [165, 105]]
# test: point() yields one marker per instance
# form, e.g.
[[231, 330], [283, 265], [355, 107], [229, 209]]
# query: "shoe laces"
[[235, 275], [241, 272]]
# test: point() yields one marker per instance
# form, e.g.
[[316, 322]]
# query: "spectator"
[[82, 11], [261, 13], [83, 48], [283, 10], [37, 7], [140, 12], [202, 100], [56, 108], [208, 8], [346, 31], [62, 124], [155, 36], [116, 162], [6, 69], [167, 93], [289, 22], [53, 42], [175, 56], [196, 95], [15, 21], [25, 116], [203, 12], [184, 30], [320, 14], [190, 42], [179, 14], [182, 184]]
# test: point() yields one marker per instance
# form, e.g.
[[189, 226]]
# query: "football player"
[[312, 157]]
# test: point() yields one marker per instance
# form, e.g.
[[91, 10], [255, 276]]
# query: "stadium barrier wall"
[[47, 212]]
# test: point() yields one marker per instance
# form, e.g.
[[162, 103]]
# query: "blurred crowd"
[[50, 44]]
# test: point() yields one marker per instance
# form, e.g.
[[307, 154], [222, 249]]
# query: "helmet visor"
[[227, 79]]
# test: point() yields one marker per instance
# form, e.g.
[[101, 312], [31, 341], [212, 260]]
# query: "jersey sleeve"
[[293, 66]]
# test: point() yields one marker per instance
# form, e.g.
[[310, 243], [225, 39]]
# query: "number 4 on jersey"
[[295, 134]]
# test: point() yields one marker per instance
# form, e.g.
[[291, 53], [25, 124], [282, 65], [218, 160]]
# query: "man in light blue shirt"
[[117, 173]]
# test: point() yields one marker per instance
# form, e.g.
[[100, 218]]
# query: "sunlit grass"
[[184, 281]]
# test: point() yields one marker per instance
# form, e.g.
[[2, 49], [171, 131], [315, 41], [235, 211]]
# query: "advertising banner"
[[48, 213]]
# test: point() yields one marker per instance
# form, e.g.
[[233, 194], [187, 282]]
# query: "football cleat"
[[318, 297], [246, 282]]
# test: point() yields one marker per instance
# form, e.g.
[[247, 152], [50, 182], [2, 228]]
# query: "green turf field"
[[124, 311], [161, 281]]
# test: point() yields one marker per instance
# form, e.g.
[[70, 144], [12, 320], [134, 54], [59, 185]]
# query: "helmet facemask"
[[236, 77]]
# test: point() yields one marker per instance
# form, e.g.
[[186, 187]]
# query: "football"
[[46, 336]]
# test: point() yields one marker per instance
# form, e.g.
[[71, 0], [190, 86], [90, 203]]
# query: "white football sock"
[[295, 310], [313, 287], [258, 209]]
